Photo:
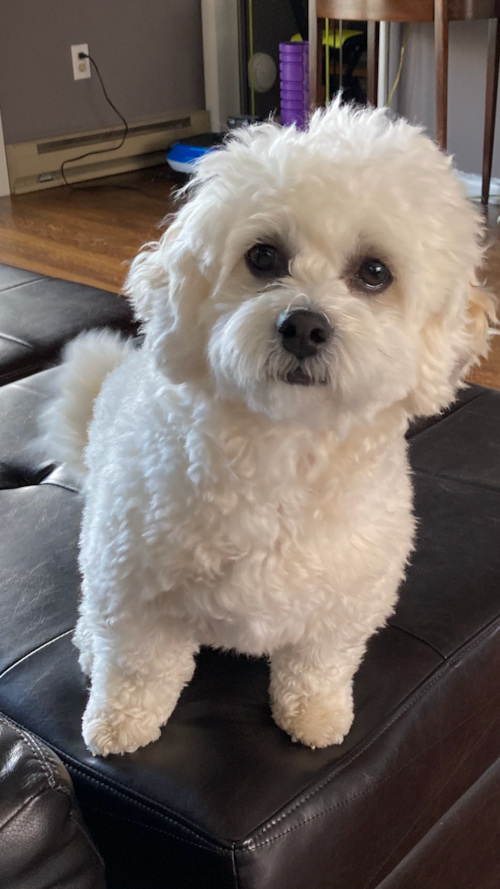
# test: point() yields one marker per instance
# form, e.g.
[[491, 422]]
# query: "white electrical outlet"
[[81, 67]]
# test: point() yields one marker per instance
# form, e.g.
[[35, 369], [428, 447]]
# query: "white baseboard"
[[36, 165]]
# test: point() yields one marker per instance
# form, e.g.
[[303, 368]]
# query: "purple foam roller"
[[294, 83]]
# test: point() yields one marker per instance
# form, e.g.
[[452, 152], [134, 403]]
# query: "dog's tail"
[[87, 361]]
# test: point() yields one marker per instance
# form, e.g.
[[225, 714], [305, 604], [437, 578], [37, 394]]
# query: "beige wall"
[[149, 53]]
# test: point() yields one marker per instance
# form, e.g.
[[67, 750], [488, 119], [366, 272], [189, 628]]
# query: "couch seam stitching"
[[461, 481], [28, 370], [45, 763], [136, 802], [24, 805], [23, 283], [233, 864], [34, 746], [432, 647], [207, 848], [81, 830], [9, 338], [29, 654], [46, 481]]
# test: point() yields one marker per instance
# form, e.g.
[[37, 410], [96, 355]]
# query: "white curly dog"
[[245, 471]]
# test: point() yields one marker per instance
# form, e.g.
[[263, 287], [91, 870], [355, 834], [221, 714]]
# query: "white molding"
[[221, 62], [383, 66], [4, 175]]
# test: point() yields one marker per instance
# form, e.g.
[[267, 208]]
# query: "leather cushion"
[[39, 315], [458, 851], [22, 457]]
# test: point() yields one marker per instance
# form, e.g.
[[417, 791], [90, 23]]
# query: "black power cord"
[[73, 160]]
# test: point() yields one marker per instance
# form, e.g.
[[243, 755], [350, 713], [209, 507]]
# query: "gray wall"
[[467, 87], [149, 53]]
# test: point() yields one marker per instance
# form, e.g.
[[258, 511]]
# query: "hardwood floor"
[[86, 234], [488, 372], [90, 234]]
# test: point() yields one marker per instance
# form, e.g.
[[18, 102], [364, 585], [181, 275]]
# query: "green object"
[[333, 37]]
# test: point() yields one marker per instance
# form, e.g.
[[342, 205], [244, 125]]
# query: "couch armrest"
[[43, 842]]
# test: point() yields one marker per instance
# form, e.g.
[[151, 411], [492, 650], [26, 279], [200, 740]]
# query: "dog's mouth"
[[311, 372], [299, 377]]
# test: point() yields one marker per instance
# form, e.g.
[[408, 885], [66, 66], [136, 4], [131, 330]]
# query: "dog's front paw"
[[111, 731], [314, 720]]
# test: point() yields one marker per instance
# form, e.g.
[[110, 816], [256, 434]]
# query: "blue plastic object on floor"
[[184, 153]]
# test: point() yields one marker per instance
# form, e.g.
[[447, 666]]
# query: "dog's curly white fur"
[[225, 503]]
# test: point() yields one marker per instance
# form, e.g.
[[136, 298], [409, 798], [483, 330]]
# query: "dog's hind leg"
[[137, 677]]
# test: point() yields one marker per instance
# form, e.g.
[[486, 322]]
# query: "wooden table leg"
[[372, 61], [441, 35], [491, 105]]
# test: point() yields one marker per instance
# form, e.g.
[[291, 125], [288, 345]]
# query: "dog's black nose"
[[303, 332]]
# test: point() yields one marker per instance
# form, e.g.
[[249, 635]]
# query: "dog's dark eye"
[[373, 275], [266, 261]]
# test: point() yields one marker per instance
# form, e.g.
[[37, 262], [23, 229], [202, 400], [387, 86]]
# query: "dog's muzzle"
[[303, 333]]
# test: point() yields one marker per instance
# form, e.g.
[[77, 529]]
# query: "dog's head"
[[319, 277]]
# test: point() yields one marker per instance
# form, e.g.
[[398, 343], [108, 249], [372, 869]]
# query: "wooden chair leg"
[[441, 36], [372, 61], [491, 105]]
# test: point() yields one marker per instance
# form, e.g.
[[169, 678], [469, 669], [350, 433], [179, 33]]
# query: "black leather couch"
[[225, 799], [43, 842]]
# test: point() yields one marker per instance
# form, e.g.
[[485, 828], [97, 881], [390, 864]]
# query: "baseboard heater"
[[36, 165]]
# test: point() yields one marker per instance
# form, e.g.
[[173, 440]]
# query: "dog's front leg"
[[139, 669], [311, 690]]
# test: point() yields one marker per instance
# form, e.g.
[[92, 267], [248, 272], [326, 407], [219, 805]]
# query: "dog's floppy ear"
[[481, 316], [167, 286], [453, 342]]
